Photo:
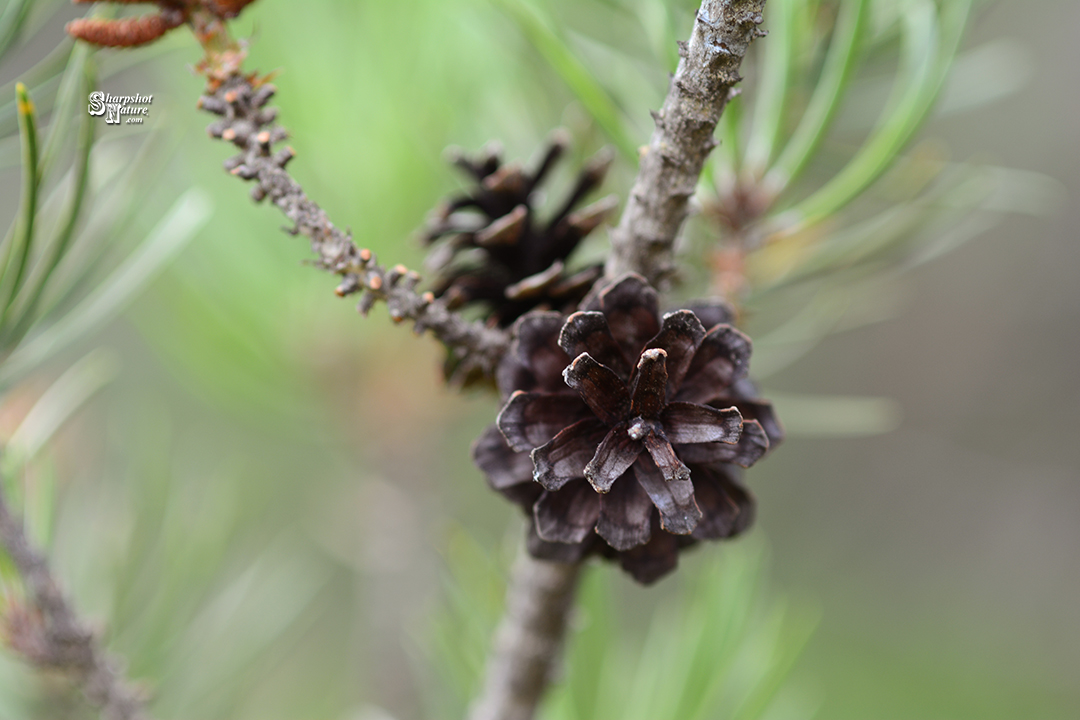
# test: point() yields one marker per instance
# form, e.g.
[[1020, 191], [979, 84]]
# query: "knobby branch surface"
[[528, 640], [249, 125], [683, 137], [46, 631]]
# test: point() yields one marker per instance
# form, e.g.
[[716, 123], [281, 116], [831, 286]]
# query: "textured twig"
[[47, 632], [540, 595], [529, 639], [249, 125], [683, 137]]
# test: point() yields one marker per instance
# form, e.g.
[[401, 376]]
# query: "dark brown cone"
[[638, 452], [491, 250]]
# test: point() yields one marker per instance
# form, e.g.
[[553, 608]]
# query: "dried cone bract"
[[491, 248]]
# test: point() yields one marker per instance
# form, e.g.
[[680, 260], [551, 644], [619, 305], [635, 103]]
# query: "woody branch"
[[47, 632], [249, 125], [530, 636], [683, 138]]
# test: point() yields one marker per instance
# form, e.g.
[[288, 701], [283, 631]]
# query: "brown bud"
[[263, 95], [349, 284], [127, 32]]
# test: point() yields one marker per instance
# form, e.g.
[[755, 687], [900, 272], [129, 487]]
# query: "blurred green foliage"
[[719, 648], [59, 277]]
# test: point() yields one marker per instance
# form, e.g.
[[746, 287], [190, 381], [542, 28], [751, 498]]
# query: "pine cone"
[[495, 252], [630, 446]]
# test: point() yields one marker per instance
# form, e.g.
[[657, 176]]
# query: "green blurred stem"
[[172, 233], [723, 170], [45, 630], [830, 90], [60, 245], [574, 72], [42, 79], [11, 22], [771, 93], [529, 639], [18, 251], [69, 97], [929, 48]]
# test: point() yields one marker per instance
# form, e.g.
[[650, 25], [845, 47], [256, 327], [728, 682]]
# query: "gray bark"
[[683, 137], [529, 639], [540, 596]]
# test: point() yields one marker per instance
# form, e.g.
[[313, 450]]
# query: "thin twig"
[[48, 633], [529, 639], [249, 125], [683, 137]]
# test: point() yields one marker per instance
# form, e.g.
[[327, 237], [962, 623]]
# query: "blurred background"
[[269, 504]]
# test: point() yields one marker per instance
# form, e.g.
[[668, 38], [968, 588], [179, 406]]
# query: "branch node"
[[283, 156], [349, 285], [263, 95], [367, 301], [395, 274]]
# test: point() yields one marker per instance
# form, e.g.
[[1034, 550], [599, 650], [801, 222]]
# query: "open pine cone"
[[496, 252], [623, 433]]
